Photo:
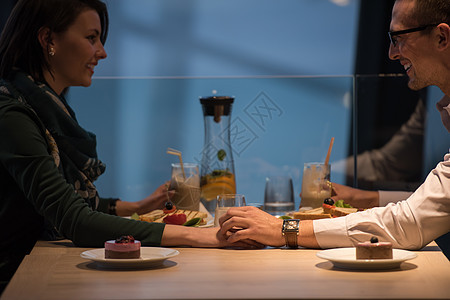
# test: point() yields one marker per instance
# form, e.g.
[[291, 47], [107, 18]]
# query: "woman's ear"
[[45, 39]]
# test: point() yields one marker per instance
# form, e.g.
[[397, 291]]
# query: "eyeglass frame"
[[399, 32]]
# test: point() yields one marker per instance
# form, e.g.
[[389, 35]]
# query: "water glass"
[[225, 202], [279, 195]]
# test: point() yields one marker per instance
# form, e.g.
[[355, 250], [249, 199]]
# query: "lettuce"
[[340, 203]]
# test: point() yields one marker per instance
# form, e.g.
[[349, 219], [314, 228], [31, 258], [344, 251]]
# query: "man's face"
[[412, 49]]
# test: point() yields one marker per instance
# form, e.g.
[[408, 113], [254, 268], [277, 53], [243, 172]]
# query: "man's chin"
[[416, 85]]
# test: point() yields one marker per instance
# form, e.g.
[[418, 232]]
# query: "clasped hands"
[[252, 226]]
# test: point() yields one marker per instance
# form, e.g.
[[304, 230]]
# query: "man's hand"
[[355, 197], [251, 223]]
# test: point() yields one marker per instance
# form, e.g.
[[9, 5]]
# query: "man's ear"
[[444, 36], [45, 38]]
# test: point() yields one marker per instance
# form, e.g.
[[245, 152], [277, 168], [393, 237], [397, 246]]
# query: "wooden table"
[[55, 270]]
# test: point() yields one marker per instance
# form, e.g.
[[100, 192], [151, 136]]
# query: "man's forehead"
[[402, 14]]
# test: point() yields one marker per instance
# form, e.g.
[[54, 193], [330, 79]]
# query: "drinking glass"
[[279, 195], [186, 183], [225, 202], [315, 185]]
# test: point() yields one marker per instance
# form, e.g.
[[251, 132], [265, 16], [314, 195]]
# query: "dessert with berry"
[[374, 249], [125, 247]]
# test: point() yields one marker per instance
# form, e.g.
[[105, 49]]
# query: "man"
[[420, 41]]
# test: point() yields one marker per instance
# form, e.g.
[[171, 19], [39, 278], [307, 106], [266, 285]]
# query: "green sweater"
[[33, 193]]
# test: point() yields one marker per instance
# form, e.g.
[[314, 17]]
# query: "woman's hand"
[[176, 235], [155, 201], [355, 197], [251, 223]]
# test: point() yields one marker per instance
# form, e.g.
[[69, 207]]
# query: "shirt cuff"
[[387, 197], [332, 233]]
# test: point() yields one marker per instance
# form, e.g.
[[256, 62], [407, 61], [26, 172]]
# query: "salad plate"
[[150, 257], [346, 258]]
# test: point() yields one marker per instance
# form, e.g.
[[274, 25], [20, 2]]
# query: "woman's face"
[[77, 52]]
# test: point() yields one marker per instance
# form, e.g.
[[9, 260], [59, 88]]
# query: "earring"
[[51, 52]]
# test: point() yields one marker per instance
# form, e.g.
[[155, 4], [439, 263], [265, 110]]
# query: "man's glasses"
[[393, 34]]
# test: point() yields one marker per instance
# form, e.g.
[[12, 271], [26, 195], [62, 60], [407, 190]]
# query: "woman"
[[47, 161]]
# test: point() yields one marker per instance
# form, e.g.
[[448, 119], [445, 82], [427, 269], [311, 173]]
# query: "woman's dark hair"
[[19, 43]]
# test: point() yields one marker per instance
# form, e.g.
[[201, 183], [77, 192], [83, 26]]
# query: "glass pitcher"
[[217, 165]]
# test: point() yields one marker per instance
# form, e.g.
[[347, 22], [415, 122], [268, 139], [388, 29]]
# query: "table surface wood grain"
[[55, 270]]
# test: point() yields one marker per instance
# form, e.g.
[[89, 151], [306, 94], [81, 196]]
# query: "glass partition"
[[277, 125], [399, 136]]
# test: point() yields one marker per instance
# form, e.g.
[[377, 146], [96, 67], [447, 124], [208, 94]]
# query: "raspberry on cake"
[[374, 249], [125, 247]]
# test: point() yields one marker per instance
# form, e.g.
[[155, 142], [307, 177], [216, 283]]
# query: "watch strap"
[[290, 232], [291, 239]]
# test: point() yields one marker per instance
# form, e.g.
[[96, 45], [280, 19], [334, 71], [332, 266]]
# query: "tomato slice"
[[168, 211], [176, 219], [328, 206]]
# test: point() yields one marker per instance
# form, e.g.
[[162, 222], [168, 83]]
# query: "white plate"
[[209, 223], [346, 258], [150, 256]]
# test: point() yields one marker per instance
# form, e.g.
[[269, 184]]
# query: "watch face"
[[291, 225]]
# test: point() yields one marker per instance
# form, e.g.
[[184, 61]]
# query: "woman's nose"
[[101, 52]]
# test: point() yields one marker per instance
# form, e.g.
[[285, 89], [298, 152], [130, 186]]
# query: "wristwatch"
[[290, 232]]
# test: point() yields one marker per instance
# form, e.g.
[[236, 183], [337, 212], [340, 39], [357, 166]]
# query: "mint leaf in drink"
[[221, 154]]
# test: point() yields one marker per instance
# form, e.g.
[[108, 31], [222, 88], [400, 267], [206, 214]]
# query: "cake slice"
[[125, 247], [374, 249]]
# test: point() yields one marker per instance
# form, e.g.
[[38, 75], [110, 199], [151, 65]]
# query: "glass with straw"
[[316, 185], [185, 181]]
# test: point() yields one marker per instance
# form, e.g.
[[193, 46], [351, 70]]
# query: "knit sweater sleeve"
[[24, 157]]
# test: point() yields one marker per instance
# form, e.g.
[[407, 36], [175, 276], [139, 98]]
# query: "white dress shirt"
[[409, 224]]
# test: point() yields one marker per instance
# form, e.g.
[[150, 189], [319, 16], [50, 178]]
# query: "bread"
[[312, 214], [338, 211], [158, 215], [152, 216], [324, 212]]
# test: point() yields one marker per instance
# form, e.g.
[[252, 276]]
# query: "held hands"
[[250, 223]]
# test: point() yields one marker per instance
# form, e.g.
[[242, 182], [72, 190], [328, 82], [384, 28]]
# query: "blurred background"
[[301, 72]]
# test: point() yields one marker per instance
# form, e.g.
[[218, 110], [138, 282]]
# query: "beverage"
[[220, 211], [278, 208], [216, 183], [315, 186], [217, 165], [186, 185], [224, 202], [279, 195]]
